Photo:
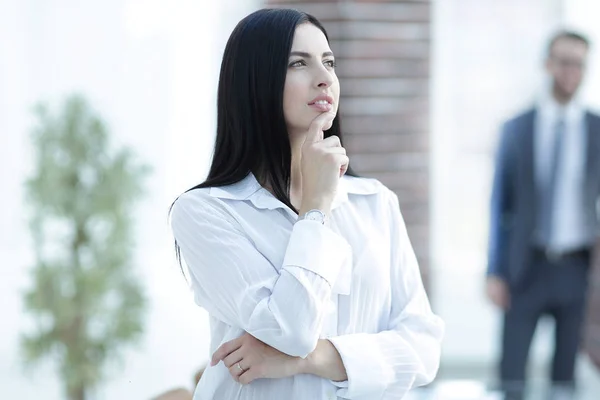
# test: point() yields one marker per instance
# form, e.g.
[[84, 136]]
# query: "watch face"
[[315, 216]]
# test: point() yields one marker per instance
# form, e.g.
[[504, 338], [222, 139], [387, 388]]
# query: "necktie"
[[549, 185]]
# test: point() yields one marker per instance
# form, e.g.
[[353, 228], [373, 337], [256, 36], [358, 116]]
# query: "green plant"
[[86, 302]]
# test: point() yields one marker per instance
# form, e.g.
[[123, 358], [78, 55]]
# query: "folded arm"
[[389, 363], [281, 306]]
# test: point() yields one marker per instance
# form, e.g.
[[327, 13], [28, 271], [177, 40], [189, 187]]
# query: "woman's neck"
[[296, 143], [295, 172]]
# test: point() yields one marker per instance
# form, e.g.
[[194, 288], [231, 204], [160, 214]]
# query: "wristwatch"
[[313, 215]]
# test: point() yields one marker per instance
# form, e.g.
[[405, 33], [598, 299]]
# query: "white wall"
[[150, 69], [583, 15]]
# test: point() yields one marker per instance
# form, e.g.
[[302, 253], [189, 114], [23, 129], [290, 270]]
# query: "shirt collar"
[[572, 111], [249, 189], [241, 190]]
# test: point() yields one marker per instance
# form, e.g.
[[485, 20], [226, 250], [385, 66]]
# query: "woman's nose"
[[325, 80]]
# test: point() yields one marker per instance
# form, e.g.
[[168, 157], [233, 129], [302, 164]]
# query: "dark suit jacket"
[[513, 202]]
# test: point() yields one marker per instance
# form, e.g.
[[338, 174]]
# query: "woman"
[[308, 275]]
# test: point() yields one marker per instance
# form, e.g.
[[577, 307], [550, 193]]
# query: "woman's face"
[[311, 85]]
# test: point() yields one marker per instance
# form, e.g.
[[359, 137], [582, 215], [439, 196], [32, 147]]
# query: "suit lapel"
[[528, 154], [593, 150]]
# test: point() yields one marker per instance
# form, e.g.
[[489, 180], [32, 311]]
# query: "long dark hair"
[[252, 135]]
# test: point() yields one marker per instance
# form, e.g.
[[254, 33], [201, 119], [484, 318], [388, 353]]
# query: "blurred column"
[[582, 15], [382, 49]]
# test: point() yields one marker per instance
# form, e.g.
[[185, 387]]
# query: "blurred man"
[[544, 220]]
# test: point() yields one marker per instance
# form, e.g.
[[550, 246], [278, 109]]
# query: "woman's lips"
[[321, 105]]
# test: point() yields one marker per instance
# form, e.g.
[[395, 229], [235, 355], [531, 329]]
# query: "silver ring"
[[240, 367]]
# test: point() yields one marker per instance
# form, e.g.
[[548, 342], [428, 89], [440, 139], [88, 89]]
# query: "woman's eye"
[[330, 63], [298, 63]]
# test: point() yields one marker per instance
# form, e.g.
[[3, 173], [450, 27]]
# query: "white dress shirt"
[[569, 230], [355, 281]]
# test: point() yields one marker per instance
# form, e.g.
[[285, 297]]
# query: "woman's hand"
[[324, 161], [248, 359]]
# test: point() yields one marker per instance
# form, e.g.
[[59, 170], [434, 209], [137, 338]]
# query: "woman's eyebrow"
[[307, 55]]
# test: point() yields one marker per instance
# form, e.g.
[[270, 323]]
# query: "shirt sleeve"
[[386, 365], [282, 306], [501, 207]]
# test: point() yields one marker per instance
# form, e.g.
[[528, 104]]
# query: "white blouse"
[[354, 281]]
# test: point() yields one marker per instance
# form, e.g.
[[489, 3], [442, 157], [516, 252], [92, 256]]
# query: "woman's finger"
[[343, 160], [237, 369], [224, 350], [248, 376], [233, 358], [332, 141], [343, 170], [337, 150], [315, 130]]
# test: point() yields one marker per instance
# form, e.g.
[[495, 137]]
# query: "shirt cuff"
[[316, 248], [364, 366]]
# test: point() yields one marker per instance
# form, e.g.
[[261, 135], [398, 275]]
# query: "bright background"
[[150, 68]]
